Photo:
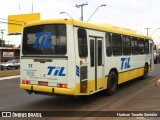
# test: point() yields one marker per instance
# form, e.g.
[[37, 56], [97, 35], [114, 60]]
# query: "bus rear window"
[[45, 40]]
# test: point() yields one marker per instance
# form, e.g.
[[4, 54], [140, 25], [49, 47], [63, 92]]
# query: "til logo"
[[56, 71], [42, 40], [125, 63]]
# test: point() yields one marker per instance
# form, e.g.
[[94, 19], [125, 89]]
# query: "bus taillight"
[[63, 85], [25, 82]]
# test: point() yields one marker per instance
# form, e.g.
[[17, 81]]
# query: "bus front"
[[44, 58]]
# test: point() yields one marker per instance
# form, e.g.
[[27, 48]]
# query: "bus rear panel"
[[44, 60]]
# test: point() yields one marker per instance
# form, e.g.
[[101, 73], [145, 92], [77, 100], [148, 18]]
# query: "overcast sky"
[[134, 14]]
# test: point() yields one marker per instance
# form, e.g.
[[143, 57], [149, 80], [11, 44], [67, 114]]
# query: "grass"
[[6, 73]]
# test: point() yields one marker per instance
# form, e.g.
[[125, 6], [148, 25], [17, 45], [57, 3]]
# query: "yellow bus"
[[70, 57]]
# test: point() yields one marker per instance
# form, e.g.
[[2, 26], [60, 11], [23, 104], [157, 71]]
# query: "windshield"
[[45, 40]]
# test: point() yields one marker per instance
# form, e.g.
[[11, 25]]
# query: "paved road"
[[135, 95]]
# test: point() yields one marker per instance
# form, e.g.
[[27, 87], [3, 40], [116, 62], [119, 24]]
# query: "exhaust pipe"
[[29, 92]]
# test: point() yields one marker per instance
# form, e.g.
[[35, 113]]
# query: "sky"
[[133, 14]]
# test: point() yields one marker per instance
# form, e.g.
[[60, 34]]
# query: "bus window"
[[82, 43], [92, 49], [99, 52], [108, 45], [126, 45], [49, 39], [146, 47], [135, 47], [117, 44], [141, 46]]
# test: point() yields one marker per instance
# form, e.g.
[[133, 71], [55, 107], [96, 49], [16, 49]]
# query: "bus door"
[[96, 63], [152, 54]]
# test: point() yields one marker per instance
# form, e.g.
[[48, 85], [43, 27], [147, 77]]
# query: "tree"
[[2, 43], [10, 45]]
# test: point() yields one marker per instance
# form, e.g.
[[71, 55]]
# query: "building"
[[9, 54]]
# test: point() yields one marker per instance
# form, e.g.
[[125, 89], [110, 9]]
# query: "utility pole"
[[81, 5], [147, 30], [2, 36], [32, 6]]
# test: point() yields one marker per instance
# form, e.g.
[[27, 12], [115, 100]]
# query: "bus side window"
[[141, 46], [108, 44], [99, 52], [82, 43], [135, 48], [146, 47], [117, 44], [92, 51], [126, 45]]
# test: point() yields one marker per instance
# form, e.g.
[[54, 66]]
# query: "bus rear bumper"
[[47, 89]]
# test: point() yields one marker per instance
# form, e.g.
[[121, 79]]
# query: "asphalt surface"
[[135, 95]]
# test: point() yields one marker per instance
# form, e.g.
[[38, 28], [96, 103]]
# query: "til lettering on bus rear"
[[56, 71], [43, 38], [125, 63]]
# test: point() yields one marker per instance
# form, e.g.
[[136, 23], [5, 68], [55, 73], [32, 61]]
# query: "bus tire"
[[145, 72], [112, 83]]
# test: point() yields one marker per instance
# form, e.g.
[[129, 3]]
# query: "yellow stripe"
[[42, 88], [105, 82], [65, 91], [128, 75], [26, 87], [99, 83]]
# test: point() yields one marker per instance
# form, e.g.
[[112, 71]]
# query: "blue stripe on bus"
[[77, 70], [77, 74]]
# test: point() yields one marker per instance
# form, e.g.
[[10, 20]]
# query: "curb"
[[10, 77], [158, 82]]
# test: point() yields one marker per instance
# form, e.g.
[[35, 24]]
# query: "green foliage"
[[10, 45], [2, 43]]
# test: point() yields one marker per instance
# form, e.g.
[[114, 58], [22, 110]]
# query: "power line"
[[10, 23], [11, 20], [138, 24]]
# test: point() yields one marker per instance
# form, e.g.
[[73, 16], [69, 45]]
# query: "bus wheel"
[[145, 73], [112, 83]]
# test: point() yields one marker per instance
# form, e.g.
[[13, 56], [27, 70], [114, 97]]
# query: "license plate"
[[43, 83]]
